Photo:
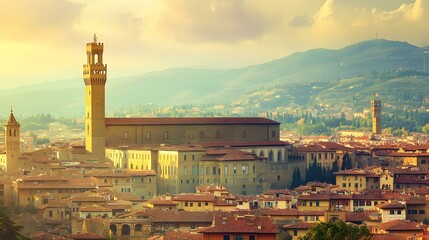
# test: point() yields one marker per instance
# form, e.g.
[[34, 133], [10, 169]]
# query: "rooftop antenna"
[[95, 38]]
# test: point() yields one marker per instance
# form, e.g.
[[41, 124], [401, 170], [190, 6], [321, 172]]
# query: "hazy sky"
[[45, 40]]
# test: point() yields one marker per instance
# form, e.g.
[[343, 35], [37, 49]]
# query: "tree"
[[335, 168], [296, 178], [347, 162], [9, 229], [283, 235], [337, 230]]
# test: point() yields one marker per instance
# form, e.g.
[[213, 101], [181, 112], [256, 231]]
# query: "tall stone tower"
[[376, 115], [94, 76], [11, 142]]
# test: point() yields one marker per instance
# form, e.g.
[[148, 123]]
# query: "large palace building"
[[243, 153], [102, 131]]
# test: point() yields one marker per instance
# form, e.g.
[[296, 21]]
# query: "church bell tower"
[[376, 115], [94, 76], [11, 143]]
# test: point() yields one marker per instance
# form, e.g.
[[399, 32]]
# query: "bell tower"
[[94, 76], [376, 115], [11, 142]]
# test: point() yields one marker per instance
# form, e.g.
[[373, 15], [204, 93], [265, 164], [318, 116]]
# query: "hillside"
[[312, 77]]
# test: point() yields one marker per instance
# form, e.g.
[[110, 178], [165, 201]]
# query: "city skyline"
[[43, 42]]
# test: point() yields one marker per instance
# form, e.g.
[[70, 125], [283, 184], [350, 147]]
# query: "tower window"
[[14, 133], [125, 135], [148, 135], [165, 135], [10, 132]]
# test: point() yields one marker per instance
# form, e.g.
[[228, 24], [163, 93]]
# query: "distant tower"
[[376, 115], [94, 76], [11, 142]]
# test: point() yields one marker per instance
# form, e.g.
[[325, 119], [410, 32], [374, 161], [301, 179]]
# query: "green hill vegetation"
[[325, 83]]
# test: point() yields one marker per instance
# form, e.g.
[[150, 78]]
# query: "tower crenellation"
[[95, 76], [376, 115]]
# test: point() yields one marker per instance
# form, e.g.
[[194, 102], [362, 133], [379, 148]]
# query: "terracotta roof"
[[391, 205], [174, 235], [82, 185], [350, 172], [211, 188], [181, 147], [408, 154], [401, 225], [278, 212], [229, 155], [416, 200], [194, 197], [231, 223], [123, 174], [162, 202], [410, 170], [95, 208], [85, 236], [300, 225], [88, 198], [190, 121], [244, 144], [357, 216]]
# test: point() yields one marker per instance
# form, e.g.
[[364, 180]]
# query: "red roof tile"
[[190, 121], [194, 197], [350, 172], [230, 223], [229, 155], [174, 235], [401, 225], [391, 205], [300, 225]]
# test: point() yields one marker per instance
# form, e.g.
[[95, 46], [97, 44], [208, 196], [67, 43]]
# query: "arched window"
[[270, 156], [14, 132], [10, 132], [148, 135], [113, 229], [126, 230], [279, 156]]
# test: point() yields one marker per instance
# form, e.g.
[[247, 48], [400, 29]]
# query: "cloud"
[[301, 21], [212, 21], [48, 20], [324, 12]]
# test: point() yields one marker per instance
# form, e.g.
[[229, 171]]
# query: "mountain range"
[[309, 77]]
